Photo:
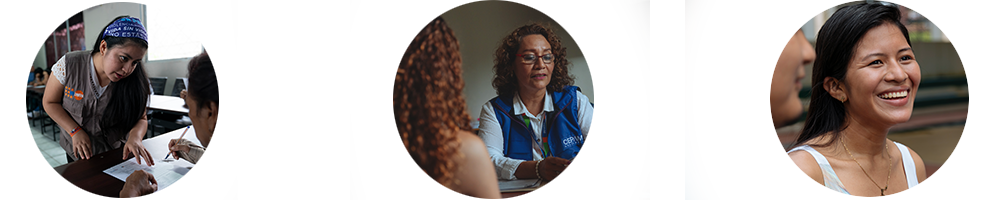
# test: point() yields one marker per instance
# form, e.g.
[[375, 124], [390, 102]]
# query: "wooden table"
[[609, 192], [89, 174]]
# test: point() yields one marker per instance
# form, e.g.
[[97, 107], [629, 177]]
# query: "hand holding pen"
[[172, 146]]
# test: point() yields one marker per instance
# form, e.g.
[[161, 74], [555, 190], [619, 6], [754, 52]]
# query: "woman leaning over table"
[[864, 79], [99, 96], [212, 100], [539, 120]]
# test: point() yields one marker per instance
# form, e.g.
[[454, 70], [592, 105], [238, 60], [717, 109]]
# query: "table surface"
[[39, 89], [167, 103], [609, 192], [89, 174]]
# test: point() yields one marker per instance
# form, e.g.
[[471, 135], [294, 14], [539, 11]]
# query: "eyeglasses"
[[530, 58]]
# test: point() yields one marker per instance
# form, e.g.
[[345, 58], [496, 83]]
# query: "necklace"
[[882, 189]]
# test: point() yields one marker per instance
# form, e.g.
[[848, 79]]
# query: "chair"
[[159, 84], [179, 84]]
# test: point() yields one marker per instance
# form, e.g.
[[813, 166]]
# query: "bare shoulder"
[[919, 164], [471, 143], [807, 164], [476, 173]]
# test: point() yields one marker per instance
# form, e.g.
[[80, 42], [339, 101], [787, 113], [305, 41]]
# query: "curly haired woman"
[[539, 121], [431, 116]]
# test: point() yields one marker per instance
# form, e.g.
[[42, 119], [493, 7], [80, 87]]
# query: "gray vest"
[[81, 103]]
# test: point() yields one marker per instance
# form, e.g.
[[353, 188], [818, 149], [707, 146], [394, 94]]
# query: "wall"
[[40, 59], [479, 26], [95, 18], [170, 68]]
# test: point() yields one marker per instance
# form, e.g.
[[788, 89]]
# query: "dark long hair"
[[212, 78], [835, 45], [376, 160], [128, 95], [504, 80]]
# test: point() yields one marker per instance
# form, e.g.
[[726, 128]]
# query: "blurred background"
[[940, 105], [621, 27], [166, 64]]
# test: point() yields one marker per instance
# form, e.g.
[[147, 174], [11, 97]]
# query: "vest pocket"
[[520, 148]]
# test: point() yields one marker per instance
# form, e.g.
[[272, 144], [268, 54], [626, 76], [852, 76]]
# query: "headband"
[[126, 27]]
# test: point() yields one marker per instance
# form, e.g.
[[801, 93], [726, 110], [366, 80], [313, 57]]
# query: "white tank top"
[[830, 177]]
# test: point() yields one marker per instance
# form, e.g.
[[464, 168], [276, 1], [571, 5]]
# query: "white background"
[[306, 92]]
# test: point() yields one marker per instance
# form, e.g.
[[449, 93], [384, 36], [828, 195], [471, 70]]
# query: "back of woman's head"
[[212, 77], [428, 102], [504, 60], [128, 95], [376, 160], [835, 45]]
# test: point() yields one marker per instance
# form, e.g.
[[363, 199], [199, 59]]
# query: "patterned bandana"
[[126, 27]]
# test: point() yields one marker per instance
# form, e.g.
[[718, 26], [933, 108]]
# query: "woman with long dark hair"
[[99, 96], [864, 78]]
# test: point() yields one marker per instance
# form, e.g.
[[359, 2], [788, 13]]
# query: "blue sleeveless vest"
[[561, 126]]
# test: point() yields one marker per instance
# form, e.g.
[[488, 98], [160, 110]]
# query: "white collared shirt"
[[492, 134]]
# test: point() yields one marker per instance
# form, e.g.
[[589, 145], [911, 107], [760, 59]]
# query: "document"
[[630, 116], [165, 172], [519, 185]]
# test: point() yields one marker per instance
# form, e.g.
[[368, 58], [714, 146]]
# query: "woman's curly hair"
[[376, 160], [504, 80], [428, 103]]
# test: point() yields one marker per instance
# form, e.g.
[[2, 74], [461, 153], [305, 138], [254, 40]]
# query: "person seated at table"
[[99, 96], [212, 102], [539, 120], [39, 77], [185, 149], [431, 116]]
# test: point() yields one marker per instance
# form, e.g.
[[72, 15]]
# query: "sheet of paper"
[[517, 184], [615, 178], [166, 172], [630, 116]]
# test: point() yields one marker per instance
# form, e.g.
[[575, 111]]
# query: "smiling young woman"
[[863, 79]]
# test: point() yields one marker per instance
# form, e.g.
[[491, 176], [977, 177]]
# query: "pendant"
[[883, 190]]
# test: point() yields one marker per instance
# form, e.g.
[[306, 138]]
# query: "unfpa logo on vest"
[[72, 94]]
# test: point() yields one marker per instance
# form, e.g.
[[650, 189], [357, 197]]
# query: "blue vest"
[[561, 127]]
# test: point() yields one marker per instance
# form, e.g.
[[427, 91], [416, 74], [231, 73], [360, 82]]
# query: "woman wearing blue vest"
[[539, 120]]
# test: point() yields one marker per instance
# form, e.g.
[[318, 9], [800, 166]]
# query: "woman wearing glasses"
[[539, 120]]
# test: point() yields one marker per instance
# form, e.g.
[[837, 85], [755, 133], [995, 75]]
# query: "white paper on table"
[[166, 172], [615, 178], [629, 117], [517, 184]]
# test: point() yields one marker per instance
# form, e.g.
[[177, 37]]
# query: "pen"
[[178, 140]]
